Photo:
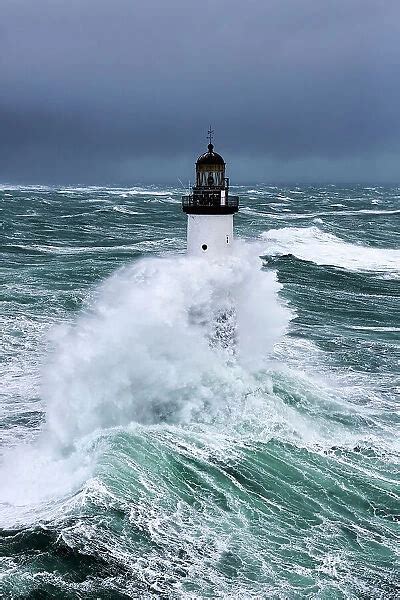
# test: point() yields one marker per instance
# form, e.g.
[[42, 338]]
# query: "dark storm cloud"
[[124, 91]]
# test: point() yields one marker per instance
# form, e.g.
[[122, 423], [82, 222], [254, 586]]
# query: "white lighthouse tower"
[[210, 207]]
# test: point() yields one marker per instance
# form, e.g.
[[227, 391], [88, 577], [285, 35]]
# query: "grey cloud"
[[124, 90]]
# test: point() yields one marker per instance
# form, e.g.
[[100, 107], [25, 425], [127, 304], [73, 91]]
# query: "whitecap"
[[374, 328], [313, 244], [125, 210]]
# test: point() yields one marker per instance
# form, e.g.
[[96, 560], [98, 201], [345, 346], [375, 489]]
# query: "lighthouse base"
[[209, 235]]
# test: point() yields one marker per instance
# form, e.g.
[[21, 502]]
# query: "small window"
[[204, 247], [227, 239]]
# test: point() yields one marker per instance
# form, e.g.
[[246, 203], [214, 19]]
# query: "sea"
[[139, 458]]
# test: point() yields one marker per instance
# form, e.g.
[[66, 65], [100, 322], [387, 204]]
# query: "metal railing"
[[204, 202]]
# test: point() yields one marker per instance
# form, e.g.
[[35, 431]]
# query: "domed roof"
[[210, 158]]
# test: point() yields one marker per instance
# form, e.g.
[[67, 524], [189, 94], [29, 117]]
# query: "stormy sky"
[[122, 91]]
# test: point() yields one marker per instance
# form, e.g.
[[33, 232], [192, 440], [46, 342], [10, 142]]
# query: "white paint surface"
[[213, 231]]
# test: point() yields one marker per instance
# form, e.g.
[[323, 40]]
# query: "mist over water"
[[139, 459]]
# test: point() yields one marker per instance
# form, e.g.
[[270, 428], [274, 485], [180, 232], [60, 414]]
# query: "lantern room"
[[210, 169], [210, 195]]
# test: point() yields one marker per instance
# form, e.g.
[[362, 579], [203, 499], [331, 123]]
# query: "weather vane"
[[210, 134]]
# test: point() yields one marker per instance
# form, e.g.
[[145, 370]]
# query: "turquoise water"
[[138, 460]]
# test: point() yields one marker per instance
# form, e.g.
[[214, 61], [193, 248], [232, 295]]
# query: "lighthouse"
[[210, 207]]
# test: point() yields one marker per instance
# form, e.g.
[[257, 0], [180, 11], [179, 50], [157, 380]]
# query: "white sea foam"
[[377, 328], [125, 210], [144, 350], [312, 244], [113, 191], [328, 213], [170, 200], [368, 211], [133, 191], [142, 354], [149, 192], [23, 188], [72, 250]]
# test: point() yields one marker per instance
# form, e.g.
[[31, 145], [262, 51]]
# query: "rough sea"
[[139, 460]]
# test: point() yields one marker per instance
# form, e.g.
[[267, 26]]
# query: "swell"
[[313, 244]]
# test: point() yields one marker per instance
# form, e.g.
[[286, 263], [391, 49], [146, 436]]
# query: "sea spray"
[[138, 355]]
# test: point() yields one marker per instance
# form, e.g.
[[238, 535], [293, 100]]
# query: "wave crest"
[[315, 245]]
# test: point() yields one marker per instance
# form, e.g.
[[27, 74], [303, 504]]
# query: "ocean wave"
[[134, 339], [324, 213], [160, 245], [89, 189], [136, 191], [375, 328], [147, 358], [141, 357], [315, 245], [26, 188], [168, 466], [126, 210]]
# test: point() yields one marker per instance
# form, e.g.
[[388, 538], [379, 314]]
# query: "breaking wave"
[[312, 244], [141, 354]]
